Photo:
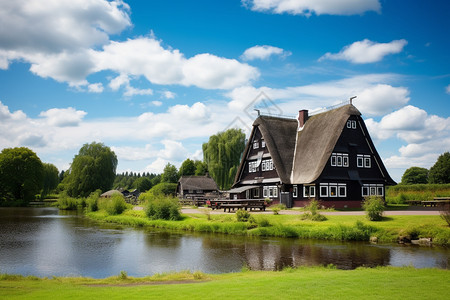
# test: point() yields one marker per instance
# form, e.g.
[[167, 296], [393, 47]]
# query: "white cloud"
[[169, 94], [318, 7], [365, 51], [95, 88], [69, 40], [447, 89], [157, 103], [197, 111], [131, 91], [63, 117], [375, 96], [262, 52]]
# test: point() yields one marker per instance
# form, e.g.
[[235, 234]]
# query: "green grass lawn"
[[336, 227], [301, 283]]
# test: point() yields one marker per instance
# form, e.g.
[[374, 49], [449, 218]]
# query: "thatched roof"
[[316, 142], [197, 183], [110, 193]]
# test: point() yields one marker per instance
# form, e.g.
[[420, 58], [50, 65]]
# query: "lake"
[[47, 242]]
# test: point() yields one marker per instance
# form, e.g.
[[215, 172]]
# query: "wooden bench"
[[437, 201], [231, 206]]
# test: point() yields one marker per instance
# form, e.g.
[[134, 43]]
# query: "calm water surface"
[[46, 242]]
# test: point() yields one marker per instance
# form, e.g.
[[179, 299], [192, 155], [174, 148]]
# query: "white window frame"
[[345, 160], [255, 144], [360, 161], [333, 186], [295, 191], [265, 192], [351, 124], [263, 143], [326, 189], [372, 189], [340, 186], [333, 160], [339, 161], [367, 161]]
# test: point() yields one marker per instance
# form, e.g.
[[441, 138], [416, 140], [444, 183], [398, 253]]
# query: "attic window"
[[339, 160], [267, 165], [363, 161], [255, 144], [351, 124], [263, 143], [252, 167]]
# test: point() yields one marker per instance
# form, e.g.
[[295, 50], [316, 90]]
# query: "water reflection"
[[46, 242]]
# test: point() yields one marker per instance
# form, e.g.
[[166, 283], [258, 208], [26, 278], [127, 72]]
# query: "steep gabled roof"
[[279, 135], [197, 183], [316, 141]]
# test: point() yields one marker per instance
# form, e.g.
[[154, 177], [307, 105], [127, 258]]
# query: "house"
[[196, 186], [328, 156]]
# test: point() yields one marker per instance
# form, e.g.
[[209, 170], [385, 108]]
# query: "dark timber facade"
[[329, 157]]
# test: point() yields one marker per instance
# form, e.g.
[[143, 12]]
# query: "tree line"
[[23, 176], [439, 173]]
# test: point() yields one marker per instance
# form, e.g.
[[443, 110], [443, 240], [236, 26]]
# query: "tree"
[[415, 175], [222, 154], [142, 184], [170, 174], [93, 168], [187, 168], [440, 171], [51, 179], [21, 174], [200, 168]]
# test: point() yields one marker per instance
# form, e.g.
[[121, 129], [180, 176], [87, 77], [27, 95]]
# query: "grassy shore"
[[301, 283], [345, 228]]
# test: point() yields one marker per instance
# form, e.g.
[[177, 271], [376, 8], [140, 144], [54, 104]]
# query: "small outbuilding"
[[196, 186]]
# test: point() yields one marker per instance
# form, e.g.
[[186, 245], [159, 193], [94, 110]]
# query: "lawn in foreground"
[[301, 283]]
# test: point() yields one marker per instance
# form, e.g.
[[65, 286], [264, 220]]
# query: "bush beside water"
[[374, 207], [114, 205], [164, 208]]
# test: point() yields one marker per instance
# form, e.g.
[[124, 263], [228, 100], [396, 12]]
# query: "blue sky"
[[154, 79]]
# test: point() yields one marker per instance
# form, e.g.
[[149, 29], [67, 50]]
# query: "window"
[[263, 143], [323, 190], [339, 160], [267, 165], [366, 161], [256, 193], [363, 161], [255, 144], [199, 191], [295, 191], [252, 167], [342, 190], [270, 191], [331, 190], [309, 191], [372, 190], [351, 124]]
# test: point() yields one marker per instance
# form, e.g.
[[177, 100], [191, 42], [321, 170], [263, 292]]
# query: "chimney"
[[302, 118]]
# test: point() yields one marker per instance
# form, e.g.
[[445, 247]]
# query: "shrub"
[[165, 208], [242, 215], [445, 213], [65, 202], [277, 207], [263, 222], [161, 189], [374, 207], [92, 201], [114, 205], [312, 213]]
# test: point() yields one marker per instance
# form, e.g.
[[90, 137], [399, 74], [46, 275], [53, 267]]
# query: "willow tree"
[[93, 168], [222, 154]]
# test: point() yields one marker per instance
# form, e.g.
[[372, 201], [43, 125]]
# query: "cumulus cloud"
[[365, 51], [69, 40], [63, 117], [426, 136], [157, 103], [263, 52], [168, 94], [318, 7], [95, 88]]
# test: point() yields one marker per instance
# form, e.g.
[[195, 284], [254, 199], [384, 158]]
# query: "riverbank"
[[307, 283], [354, 227]]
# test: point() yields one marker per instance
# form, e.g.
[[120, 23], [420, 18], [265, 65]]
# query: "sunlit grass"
[[301, 283]]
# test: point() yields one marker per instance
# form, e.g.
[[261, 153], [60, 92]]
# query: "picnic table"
[[232, 204], [437, 201]]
